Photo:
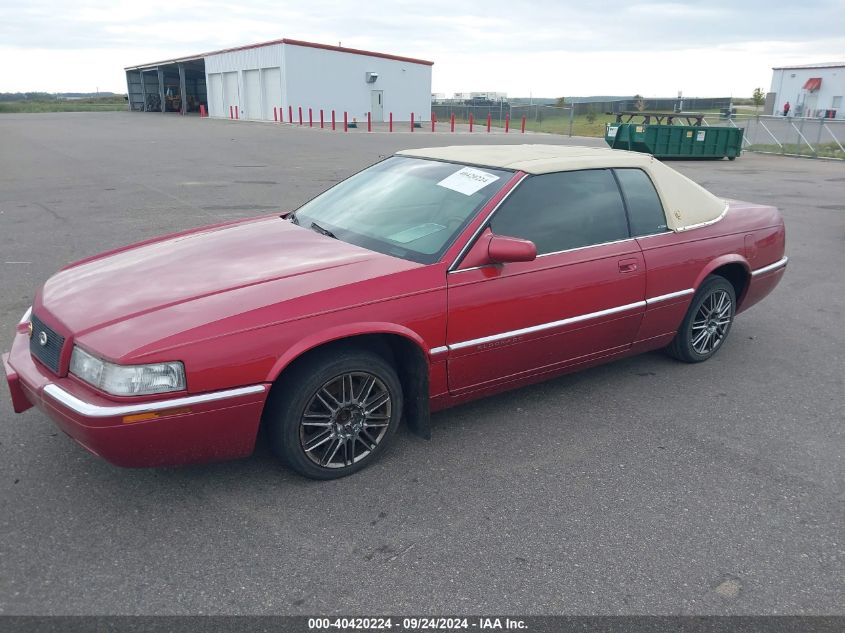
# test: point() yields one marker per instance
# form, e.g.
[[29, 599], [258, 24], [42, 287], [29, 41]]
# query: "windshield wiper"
[[320, 229], [291, 217]]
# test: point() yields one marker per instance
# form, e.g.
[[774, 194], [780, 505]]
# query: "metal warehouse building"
[[260, 81], [814, 90]]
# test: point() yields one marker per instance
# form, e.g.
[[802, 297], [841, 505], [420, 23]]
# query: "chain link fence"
[[538, 118], [791, 136], [576, 118], [498, 112]]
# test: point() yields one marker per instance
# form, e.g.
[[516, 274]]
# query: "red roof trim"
[[328, 47], [357, 51], [813, 83], [811, 66]]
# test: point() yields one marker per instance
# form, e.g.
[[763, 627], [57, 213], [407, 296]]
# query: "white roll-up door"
[[251, 108], [231, 94], [215, 96], [271, 90]]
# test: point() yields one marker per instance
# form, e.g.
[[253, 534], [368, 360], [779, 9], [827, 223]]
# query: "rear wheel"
[[334, 415], [707, 322]]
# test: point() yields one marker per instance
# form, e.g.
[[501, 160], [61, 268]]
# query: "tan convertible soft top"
[[687, 204]]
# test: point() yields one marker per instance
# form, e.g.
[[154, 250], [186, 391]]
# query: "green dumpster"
[[665, 138]]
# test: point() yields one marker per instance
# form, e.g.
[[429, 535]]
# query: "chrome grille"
[[51, 350]]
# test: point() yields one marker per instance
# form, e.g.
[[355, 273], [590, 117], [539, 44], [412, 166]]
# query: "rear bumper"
[[170, 432]]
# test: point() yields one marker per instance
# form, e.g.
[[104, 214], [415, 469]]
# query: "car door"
[[670, 267], [581, 298]]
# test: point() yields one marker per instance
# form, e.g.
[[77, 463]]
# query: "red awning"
[[813, 83]]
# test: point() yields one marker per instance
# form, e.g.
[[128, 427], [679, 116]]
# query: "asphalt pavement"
[[643, 486]]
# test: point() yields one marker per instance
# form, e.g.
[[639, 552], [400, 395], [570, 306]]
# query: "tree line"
[[49, 96]]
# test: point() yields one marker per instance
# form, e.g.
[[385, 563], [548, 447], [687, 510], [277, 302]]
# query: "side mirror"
[[503, 250]]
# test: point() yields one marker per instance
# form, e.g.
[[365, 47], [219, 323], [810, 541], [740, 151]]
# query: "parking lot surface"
[[643, 486]]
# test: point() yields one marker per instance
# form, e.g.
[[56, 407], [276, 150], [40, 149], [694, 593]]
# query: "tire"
[[318, 419], [707, 322]]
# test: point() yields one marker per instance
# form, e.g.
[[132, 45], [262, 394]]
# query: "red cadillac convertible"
[[429, 279]]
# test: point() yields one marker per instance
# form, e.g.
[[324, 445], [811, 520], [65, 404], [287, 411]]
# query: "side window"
[[564, 210], [644, 209]]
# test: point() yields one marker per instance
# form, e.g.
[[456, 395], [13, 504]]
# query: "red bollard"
[[202, 111], [275, 115], [333, 124], [231, 112], [290, 114], [321, 119], [488, 122], [391, 121], [345, 122], [237, 116], [300, 115], [523, 124], [452, 122], [369, 122], [412, 121], [470, 121], [433, 121], [507, 123], [310, 118]]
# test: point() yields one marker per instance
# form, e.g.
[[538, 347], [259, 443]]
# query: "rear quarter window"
[[645, 212]]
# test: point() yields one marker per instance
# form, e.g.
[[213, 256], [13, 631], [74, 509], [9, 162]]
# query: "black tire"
[[707, 322], [322, 403]]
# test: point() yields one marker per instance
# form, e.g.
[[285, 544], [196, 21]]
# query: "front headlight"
[[25, 324], [26, 316], [127, 380]]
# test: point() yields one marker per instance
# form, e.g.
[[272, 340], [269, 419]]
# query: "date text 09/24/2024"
[[417, 623]]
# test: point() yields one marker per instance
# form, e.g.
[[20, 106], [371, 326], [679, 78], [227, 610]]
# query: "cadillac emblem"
[[42, 339]]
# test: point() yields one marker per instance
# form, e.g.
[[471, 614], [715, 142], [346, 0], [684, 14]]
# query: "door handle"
[[628, 265]]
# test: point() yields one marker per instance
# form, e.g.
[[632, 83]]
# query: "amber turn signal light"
[[153, 415]]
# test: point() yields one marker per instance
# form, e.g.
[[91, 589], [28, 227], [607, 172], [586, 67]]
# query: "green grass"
[[823, 150], [581, 125], [103, 104]]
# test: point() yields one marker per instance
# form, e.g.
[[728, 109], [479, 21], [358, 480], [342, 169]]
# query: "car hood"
[[189, 267]]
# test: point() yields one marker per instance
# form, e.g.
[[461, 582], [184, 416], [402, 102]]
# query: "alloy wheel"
[[345, 420], [711, 322]]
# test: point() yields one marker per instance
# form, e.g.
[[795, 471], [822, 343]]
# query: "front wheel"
[[333, 415], [707, 322]]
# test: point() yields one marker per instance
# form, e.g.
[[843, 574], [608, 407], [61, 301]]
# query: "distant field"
[[104, 104]]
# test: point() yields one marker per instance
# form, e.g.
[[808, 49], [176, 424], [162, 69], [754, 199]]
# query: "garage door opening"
[[170, 87]]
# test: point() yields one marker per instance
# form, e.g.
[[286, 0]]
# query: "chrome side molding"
[[546, 326], [767, 269], [561, 322], [671, 295], [106, 411]]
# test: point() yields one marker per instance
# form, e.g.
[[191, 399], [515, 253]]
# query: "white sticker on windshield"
[[467, 180]]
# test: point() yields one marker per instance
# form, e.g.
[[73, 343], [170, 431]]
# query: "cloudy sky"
[[542, 47]]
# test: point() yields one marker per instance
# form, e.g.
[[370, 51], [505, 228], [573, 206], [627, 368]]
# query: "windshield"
[[405, 207]]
